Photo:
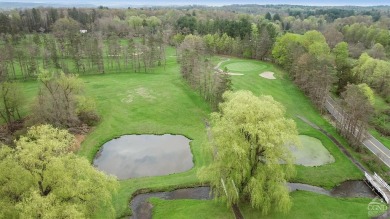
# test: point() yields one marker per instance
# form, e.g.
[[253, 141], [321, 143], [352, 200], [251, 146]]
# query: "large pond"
[[132, 156]]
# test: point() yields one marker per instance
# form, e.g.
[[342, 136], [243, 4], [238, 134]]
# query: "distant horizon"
[[123, 3]]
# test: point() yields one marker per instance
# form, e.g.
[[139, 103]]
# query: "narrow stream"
[[142, 209]]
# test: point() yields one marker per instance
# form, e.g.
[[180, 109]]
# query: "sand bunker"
[[312, 153], [230, 73], [268, 75]]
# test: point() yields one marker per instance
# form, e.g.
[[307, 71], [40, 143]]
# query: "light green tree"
[[287, 49], [341, 53], [367, 91], [364, 68], [40, 178], [252, 161]]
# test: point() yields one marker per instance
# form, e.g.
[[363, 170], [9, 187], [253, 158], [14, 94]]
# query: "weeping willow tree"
[[252, 162]]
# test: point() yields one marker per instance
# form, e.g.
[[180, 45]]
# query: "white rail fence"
[[378, 187]]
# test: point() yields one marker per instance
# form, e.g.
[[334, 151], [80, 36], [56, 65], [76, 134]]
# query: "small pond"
[[311, 153], [132, 156]]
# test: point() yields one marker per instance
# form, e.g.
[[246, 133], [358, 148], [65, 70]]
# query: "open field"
[[160, 102], [296, 103], [242, 66]]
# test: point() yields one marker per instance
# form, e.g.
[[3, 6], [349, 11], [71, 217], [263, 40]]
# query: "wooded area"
[[324, 50], [341, 52]]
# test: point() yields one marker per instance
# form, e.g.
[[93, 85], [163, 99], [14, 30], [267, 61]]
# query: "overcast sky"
[[213, 2]]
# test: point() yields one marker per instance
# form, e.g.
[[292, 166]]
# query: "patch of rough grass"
[[138, 93]]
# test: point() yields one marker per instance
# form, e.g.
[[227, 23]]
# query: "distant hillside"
[[12, 5]]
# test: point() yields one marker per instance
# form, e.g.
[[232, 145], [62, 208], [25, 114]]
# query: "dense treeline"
[[324, 49], [200, 73], [71, 51], [316, 69], [307, 57]]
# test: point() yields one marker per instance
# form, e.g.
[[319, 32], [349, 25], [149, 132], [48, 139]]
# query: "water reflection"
[[132, 156]]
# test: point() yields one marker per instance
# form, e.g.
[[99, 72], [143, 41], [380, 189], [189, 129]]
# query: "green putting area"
[[243, 66]]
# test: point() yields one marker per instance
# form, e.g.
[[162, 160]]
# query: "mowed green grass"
[[315, 206], [305, 205], [147, 103], [156, 102], [296, 103], [159, 102], [243, 66]]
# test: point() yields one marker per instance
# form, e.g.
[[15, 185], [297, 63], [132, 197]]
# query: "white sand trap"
[[230, 73], [268, 75]]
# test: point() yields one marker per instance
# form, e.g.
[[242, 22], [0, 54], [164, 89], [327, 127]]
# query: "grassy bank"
[[297, 104], [159, 102], [306, 205]]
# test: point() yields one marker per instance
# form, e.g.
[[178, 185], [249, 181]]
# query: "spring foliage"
[[39, 178], [61, 101], [250, 135]]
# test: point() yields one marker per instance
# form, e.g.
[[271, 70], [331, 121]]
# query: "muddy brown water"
[[353, 189], [142, 209], [132, 156]]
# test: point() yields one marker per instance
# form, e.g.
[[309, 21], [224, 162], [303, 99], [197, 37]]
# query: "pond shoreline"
[[142, 209]]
